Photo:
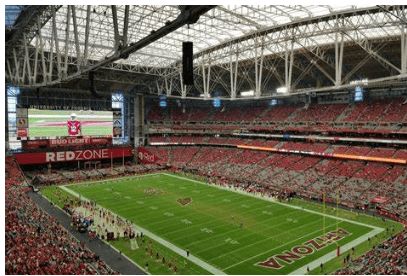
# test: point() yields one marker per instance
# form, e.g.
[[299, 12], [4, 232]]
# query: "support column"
[[139, 126], [6, 122], [338, 59], [403, 49], [289, 59], [233, 75], [206, 76], [259, 68], [168, 88], [183, 87]]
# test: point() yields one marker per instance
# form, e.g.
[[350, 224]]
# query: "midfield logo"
[[184, 201], [300, 251]]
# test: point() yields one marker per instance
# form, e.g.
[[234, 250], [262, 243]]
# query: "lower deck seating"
[[357, 182], [35, 242]]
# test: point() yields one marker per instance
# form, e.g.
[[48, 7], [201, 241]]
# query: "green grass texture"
[[230, 231]]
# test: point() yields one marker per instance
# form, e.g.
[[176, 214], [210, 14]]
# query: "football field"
[[226, 231]]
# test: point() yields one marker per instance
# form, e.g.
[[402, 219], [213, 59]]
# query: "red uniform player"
[[74, 126]]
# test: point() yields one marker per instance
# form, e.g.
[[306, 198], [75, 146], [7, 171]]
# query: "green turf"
[[143, 256], [62, 131], [391, 227], [57, 196], [210, 225]]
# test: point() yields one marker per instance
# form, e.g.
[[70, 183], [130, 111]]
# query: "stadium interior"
[[111, 120]]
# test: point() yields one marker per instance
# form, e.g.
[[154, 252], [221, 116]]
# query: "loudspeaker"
[[92, 85], [187, 64]]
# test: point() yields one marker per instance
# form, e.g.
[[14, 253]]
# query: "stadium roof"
[[217, 26], [12, 12], [73, 40]]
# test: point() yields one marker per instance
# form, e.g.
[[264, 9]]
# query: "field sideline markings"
[[110, 179], [245, 235], [174, 208], [206, 223], [277, 202], [280, 246], [352, 243], [326, 257], [273, 237], [235, 230], [251, 210], [111, 246], [331, 255], [165, 243]]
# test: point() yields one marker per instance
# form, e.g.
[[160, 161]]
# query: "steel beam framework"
[[261, 59]]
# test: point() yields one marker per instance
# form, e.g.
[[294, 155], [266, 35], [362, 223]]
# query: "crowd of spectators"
[[373, 116], [44, 178], [35, 242], [357, 183], [352, 183], [387, 258]]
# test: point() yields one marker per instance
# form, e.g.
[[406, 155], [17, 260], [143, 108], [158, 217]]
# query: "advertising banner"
[[117, 123], [72, 155], [22, 122], [79, 141], [334, 155], [146, 157], [67, 142]]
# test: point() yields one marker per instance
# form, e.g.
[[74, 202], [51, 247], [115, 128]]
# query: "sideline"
[[97, 246], [109, 179], [302, 270], [315, 263], [332, 255], [158, 239], [276, 202]]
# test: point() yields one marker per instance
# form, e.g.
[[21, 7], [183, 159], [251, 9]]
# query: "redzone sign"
[[75, 155], [279, 261]]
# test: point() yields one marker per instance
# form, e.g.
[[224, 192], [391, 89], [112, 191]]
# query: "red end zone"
[[298, 252]]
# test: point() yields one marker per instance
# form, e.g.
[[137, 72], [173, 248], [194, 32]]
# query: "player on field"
[[74, 126]]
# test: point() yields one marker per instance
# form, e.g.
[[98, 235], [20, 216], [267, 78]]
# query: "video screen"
[[51, 123], [358, 94]]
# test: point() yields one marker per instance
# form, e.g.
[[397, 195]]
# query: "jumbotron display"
[[51, 123]]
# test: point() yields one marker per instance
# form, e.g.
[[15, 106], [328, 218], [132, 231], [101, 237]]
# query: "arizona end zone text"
[[279, 261]]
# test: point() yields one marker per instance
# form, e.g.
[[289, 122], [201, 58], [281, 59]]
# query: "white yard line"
[[111, 246], [111, 179], [280, 246], [167, 244], [331, 255], [271, 238], [210, 225], [236, 230], [327, 257], [276, 201]]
